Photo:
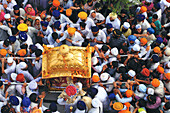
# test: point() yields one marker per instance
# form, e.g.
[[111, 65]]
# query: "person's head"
[[93, 13], [156, 7], [82, 25], [54, 36], [29, 8], [104, 48], [16, 8], [143, 41], [104, 77], [22, 52], [95, 30], [9, 1], [33, 97], [6, 43], [83, 16], [3, 52], [92, 92], [151, 99], [112, 16], [48, 18], [140, 18], [37, 22], [69, 12], [154, 17], [7, 17], [14, 100], [10, 61], [123, 12], [150, 31], [142, 103], [5, 109], [71, 31], [143, 9], [32, 48], [166, 106], [57, 25], [44, 25], [56, 14], [38, 53], [148, 2], [132, 39], [56, 3], [138, 28], [116, 33], [53, 107], [109, 27], [123, 50]]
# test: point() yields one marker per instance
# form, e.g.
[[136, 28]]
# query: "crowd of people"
[[130, 62]]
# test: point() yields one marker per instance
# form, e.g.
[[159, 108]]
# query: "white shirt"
[[10, 5], [110, 87], [2, 47], [99, 17], [89, 23], [31, 31], [145, 25], [77, 39], [100, 36], [63, 19], [97, 110], [10, 69], [115, 23]]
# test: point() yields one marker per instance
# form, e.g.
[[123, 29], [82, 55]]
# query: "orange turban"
[[155, 82], [20, 77], [160, 69], [157, 49], [129, 93], [127, 104], [143, 40], [68, 12], [143, 9], [118, 106], [37, 111], [145, 72], [56, 3], [71, 30], [95, 78], [22, 52], [82, 15], [3, 52], [167, 75]]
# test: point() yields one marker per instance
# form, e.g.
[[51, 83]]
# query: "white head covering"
[[131, 73], [7, 16], [22, 65], [168, 64], [126, 25], [92, 11], [48, 16], [94, 60], [136, 47], [151, 91], [33, 85], [114, 51], [167, 51], [113, 15], [13, 76], [95, 102], [79, 84], [142, 88], [104, 76], [96, 74], [138, 26], [10, 60]]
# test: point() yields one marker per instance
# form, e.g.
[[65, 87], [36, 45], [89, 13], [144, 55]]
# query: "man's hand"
[[94, 40], [57, 40]]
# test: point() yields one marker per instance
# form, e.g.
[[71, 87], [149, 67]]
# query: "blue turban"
[[142, 88], [94, 29], [109, 25], [57, 24], [14, 100], [112, 96], [155, 58], [16, 7], [44, 23], [23, 36], [26, 102], [53, 107], [159, 40], [140, 17], [12, 39], [132, 38], [33, 48], [56, 13], [81, 105], [151, 30]]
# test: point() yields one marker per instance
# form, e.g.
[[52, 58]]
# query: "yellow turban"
[[3, 52], [71, 30], [82, 15], [22, 27]]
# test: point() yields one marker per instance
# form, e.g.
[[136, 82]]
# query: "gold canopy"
[[66, 61]]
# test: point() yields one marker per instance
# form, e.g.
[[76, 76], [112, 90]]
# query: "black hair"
[[54, 36], [155, 16], [6, 42], [5, 109], [38, 52], [82, 24], [105, 48], [142, 103], [24, 46], [125, 77], [33, 97], [114, 64], [167, 105]]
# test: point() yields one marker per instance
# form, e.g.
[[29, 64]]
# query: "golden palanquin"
[[66, 61]]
